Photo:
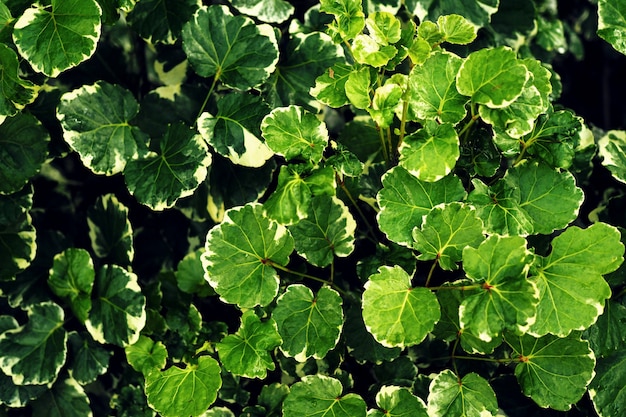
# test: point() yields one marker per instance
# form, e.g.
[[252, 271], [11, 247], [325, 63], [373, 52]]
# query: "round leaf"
[[110, 230], [384, 27], [456, 29], [470, 396], [367, 51], [161, 20], [349, 17], [398, 402], [89, 359], [189, 391], [16, 93], [58, 37], [607, 388], [146, 355], [72, 277], [241, 54], [395, 313], [309, 324], [67, 398], [240, 253], [612, 149], [271, 11], [330, 87], [95, 120]]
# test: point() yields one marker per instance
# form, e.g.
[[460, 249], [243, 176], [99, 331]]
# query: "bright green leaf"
[[358, 88], [293, 132], [553, 371], [89, 360], [395, 313], [360, 343], [318, 395], [118, 307], [456, 29], [58, 37], [419, 51], [190, 275], [612, 149], [146, 355], [612, 23], [110, 231], [239, 256], [271, 11], [72, 277], [161, 20], [398, 402], [385, 101], [383, 27], [431, 152], [446, 230], [35, 352], [96, 124], [492, 76], [240, 54], [367, 51], [174, 171], [67, 398], [290, 201], [470, 396], [247, 352], [234, 131], [189, 391], [330, 87], [572, 289], [607, 388], [16, 92], [349, 17], [309, 324], [405, 199]]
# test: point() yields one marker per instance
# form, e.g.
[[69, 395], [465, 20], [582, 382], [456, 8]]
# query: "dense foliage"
[[343, 207]]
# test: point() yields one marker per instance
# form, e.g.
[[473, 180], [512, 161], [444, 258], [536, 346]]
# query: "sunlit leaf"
[[367, 51], [384, 103], [16, 92], [456, 29], [146, 355], [612, 148], [612, 23], [349, 16], [358, 88], [72, 277], [396, 401], [271, 11], [330, 87], [452, 396], [383, 27]]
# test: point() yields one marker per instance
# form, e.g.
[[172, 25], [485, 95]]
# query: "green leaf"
[[293, 132], [612, 149], [430, 153], [189, 391], [309, 324], [96, 124], [290, 201], [190, 275], [35, 352], [492, 76], [505, 299], [234, 132], [360, 343], [23, 150], [174, 171], [17, 233], [118, 307], [612, 23], [56, 38], [88, 359], [16, 92], [608, 334], [247, 352], [318, 395], [71, 278], [405, 199], [456, 29], [384, 104], [349, 17], [446, 230], [478, 12], [146, 355], [110, 231], [395, 313], [432, 89], [607, 388], [241, 54], [398, 402], [161, 20], [470, 396], [358, 88], [367, 51], [572, 290], [326, 232], [383, 27], [330, 87], [271, 11], [67, 398], [240, 254], [553, 371]]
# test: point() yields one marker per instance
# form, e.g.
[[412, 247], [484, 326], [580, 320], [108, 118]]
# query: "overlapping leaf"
[[72, 277], [16, 92], [190, 275], [96, 124], [452, 396], [396, 401], [608, 334], [358, 88], [330, 87], [240, 54], [607, 388], [456, 29], [309, 324], [271, 11], [349, 17], [146, 355], [572, 289], [17, 233], [395, 313], [66, 398], [247, 352], [612, 23], [161, 20], [612, 148], [89, 359], [240, 253], [384, 103], [369, 52], [110, 231], [61, 36]]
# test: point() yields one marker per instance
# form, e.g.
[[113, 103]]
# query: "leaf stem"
[[208, 96], [383, 144], [430, 273], [354, 203], [303, 275]]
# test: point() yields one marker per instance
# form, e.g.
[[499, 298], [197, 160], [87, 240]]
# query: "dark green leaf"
[[72, 277], [16, 92], [110, 230], [89, 360], [272, 11], [161, 20], [607, 388], [67, 398]]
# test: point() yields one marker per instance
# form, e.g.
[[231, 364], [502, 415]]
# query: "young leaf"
[[88, 358], [309, 324], [189, 391], [553, 371], [293, 132], [349, 17], [317, 395], [240, 253], [395, 313], [398, 402], [247, 352], [367, 51], [432, 89], [174, 171], [404, 200], [358, 88], [110, 231], [16, 92], [190, 275], [385, 101], [330, 87], [612, 149], [570, 278], [146, 355], [451, 396], [241, 55], [431, 152], [161, 20], [118, 307], [326, 232], [506, 299], [383, 27], [35, 352], [60, 36], [67, 398], [607, 388], [271, 11], [612, 23], [456, 29], [492, 76], [71, 278], [23, 150], [234, 131], [96, 124], [446, 230]]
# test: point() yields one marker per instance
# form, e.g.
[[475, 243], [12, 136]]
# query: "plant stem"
[[208, 96], [383, 144], [303, 275], [430, 273], [370, 229]]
